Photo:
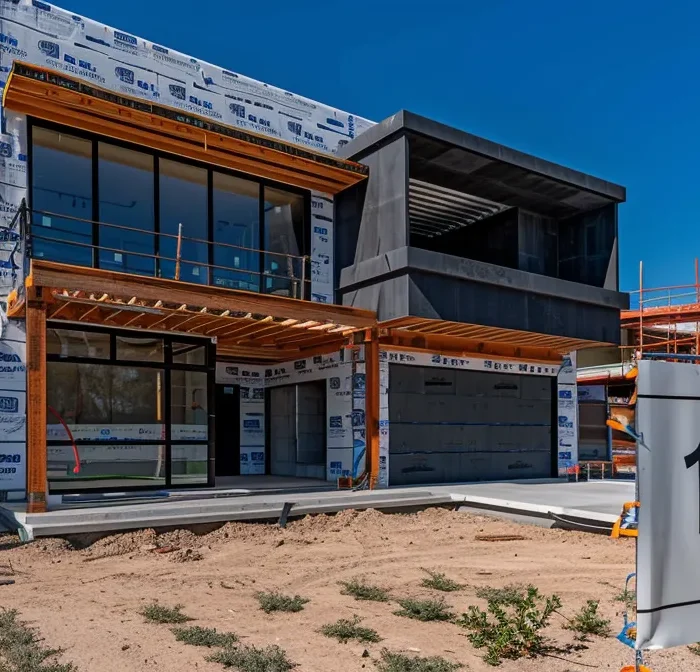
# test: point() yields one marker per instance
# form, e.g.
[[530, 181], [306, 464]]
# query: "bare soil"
[[86, 599]]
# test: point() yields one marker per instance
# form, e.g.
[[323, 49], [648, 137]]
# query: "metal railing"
[[261, 271]]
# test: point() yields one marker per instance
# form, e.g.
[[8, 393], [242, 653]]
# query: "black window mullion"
[[168, 428], [95, 204], [156, 214], [306, 247], [210, 226], [261, 238]]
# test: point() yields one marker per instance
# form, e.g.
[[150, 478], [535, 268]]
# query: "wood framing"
[[36, 403], [246, 325], [372, 404], [54, 96], [477, 340]]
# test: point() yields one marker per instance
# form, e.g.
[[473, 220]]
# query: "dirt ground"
[[87, 600]]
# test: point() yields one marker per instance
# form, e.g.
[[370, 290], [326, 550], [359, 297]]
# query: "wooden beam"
[[51, 274], [52, 95], [372, 405], [36, 403]]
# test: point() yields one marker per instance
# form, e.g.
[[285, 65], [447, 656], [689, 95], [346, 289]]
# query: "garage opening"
[[450, 426], [298, 430]]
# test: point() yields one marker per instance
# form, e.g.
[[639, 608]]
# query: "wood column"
[[36, 401], [372, 404]]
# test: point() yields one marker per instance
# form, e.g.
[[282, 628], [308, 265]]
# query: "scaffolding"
[[663, 319]]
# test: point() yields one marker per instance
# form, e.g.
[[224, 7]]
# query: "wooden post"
[[36, 402], [372, 404]]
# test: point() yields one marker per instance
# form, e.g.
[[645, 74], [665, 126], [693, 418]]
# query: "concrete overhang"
[[407, 259], [455, 159]]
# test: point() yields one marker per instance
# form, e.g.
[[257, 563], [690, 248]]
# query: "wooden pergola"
[[246, 326]]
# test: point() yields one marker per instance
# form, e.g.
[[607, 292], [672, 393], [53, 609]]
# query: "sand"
[[86, 600]]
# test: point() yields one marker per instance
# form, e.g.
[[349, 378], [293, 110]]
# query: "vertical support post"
[[641, 309], [36, 402], [372, 404], [697, 300]]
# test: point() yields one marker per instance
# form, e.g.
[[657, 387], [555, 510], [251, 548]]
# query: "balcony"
[[69, 240]]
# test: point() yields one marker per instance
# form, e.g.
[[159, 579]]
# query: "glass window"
[[187, 353], [184, 200], [190, 417], [61, 197], [189, 464], [237, 224], [139, 349], [70, 343], [105, 466], [126, 199], [103, 402], [284, 221]]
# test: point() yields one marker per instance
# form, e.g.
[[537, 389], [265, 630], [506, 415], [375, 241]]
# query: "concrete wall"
[[372, 219]]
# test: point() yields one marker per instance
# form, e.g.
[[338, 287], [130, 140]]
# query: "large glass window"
[[126, 410], [236, 232], [184, 200], [284, 219], [126, 199], [62, 197]]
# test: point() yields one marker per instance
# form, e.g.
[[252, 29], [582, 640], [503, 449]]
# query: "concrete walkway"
[[593, 503]]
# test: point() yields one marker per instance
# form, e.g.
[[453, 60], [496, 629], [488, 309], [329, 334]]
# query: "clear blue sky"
[[608, 88]]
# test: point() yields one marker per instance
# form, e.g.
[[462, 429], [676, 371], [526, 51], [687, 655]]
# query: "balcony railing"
[[57, 237]]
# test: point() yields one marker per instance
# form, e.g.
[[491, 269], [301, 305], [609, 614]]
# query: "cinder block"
[[536, 387]]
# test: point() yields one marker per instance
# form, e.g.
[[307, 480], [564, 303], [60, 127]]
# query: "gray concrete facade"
[[556, 228]]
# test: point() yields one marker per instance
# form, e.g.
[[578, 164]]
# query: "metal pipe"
[[179, 251]]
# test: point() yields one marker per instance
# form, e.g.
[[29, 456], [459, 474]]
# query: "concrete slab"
[[591, 503]]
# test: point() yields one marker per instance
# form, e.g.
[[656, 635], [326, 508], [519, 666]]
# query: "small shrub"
[[21, 649], [508, 595], [438, 581], [629, 597], [425, 610], [344, 630], [511, 631], [588, 622], [197, 636], [270, 602], [399, 662], [694, 648], [364, 591], [252, 659], [157, 613]]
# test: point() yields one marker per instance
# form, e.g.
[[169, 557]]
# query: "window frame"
[[303, 235], [167, 366]]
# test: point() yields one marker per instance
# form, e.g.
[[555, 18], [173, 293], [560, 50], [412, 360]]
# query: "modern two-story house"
[[209, 278]]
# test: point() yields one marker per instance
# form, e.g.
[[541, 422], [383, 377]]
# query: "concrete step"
[[81, 520]]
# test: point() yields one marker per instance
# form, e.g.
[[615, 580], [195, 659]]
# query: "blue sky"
[[608, 88]]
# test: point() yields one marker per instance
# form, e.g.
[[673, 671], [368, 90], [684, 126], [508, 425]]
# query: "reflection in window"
[[183, 200], [284, 220], [72, 343], [139, 349], [187, 353], [105, 466], [62, 185], [126, 199], [236, 222], [99, 401], [189, 464], [189, 405]]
